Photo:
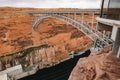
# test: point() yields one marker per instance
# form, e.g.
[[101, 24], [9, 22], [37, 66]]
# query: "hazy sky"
[[52, 3]]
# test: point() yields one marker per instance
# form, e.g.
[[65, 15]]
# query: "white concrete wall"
[[114, 33], [24, 74], [3, 77], [13, 70], [116, 36], [18, 71], [21, 75], [118, 54]]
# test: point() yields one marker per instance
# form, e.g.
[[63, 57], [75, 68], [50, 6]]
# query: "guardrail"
[[96, 11]]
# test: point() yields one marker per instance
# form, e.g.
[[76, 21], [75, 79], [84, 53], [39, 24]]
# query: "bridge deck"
[[65, 11]]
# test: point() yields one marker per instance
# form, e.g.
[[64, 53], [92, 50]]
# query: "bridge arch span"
[[63, 18], [86, 29]]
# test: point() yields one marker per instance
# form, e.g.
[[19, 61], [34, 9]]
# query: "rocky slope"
[[102, 65]]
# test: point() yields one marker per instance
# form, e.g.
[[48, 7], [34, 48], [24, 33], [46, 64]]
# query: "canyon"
[[17, 38], [51, 43], [16, 28]]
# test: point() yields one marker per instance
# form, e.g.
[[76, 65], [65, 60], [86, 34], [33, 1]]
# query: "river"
[[58, 72]]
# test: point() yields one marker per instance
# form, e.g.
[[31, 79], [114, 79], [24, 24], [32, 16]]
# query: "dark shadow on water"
[[59, 72]]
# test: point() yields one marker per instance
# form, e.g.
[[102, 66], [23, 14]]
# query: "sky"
[[51, 3]]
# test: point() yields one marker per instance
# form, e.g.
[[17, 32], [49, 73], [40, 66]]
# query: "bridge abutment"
[[114, 27]]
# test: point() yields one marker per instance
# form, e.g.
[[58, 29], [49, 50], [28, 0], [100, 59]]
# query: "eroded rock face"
[[100, 66], [16, 32]]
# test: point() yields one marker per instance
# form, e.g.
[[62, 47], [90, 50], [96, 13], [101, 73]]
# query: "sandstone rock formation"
[[16, 35], [16, 32], [101, 65]]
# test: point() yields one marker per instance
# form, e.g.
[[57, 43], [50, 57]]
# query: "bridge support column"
[[118, 54], [82, 18], [74, 16], [93, 20], [68, 14], [116, 37]]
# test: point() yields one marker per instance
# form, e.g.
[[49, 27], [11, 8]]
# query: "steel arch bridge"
[[92, 33]]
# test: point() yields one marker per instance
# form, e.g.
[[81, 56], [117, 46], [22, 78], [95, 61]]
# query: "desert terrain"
[[16, 34]]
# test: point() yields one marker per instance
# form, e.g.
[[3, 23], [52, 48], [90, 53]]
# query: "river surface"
[[59, 72]]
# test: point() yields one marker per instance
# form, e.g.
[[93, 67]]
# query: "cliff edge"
[[102, 65]]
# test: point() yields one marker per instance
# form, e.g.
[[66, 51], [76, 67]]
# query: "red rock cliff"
[[16, 32], [100, 66]]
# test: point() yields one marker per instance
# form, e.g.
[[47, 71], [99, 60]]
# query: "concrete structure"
[[16, 70], [110, 21], [32, 71], [115, 32], [118, 54], [4, 77], [13, 70]]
